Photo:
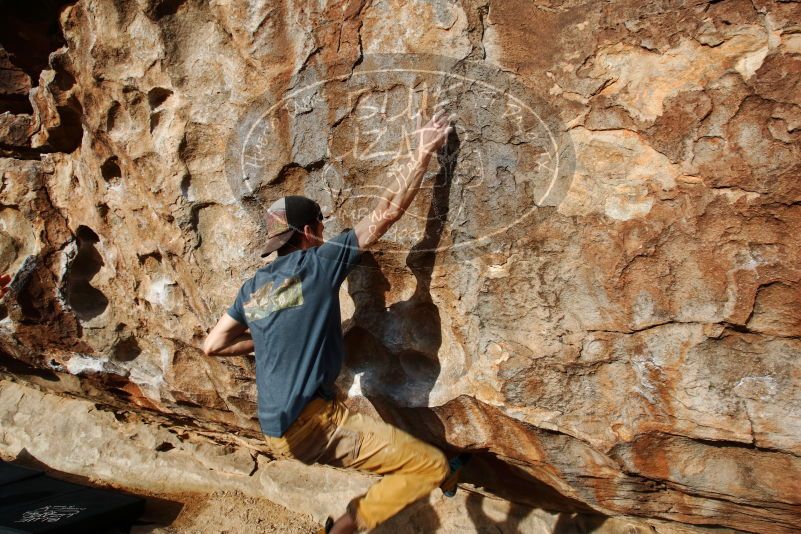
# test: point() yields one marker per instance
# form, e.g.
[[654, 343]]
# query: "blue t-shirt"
[[292, 309]]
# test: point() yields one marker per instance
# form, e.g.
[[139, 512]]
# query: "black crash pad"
[[12, 473], [46, 504]]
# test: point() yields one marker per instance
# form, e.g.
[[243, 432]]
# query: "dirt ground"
[[221, 512]]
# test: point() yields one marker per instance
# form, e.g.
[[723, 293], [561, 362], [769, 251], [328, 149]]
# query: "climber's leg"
[[306, 437], [327, 432], [411, 467]]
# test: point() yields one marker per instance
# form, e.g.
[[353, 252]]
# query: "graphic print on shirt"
[[267, 299]]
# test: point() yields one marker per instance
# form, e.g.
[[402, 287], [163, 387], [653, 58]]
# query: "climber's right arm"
[[393, 204], [397, 198]]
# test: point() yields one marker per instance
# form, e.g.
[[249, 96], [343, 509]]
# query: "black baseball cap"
[[288, 215]]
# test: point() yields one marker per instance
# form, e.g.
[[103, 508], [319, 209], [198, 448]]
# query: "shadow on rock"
[[483, 523], [393, 351], [416, 518]]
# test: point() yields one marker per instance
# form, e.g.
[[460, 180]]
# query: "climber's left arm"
[[229, 337]]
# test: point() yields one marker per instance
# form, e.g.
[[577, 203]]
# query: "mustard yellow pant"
[[326, 432]]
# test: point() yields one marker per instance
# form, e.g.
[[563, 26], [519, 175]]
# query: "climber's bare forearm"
[[407, 183], [229, 337], [393, 204], [241, 345]]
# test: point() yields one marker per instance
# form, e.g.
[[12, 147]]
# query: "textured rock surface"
[[143, 454], [631, 346]]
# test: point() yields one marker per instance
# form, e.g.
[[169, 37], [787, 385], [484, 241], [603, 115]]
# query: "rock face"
[[598, 289], [146, 453]]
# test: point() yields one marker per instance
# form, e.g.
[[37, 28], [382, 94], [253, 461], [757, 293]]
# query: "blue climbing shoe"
[[456, 464]]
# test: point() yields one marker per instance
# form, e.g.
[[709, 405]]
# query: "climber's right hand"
[[434, 134]]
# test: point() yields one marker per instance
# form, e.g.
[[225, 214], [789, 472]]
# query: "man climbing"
[[288, 312]]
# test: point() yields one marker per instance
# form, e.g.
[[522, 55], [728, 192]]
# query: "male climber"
[[288, 312]]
